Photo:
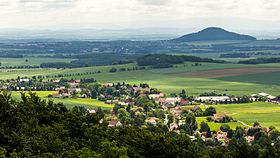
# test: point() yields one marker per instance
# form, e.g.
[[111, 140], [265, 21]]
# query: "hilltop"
[[213, 34]]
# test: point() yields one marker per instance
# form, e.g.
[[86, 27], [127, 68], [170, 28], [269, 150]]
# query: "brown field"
[[227, 72]]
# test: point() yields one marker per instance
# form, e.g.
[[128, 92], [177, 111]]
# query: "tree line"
[[162, 60]]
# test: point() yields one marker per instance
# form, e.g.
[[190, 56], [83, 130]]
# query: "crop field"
[[228, 72], [268, 78], [70, 102], [267, 114]]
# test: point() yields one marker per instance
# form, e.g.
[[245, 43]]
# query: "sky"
[[244, 15]]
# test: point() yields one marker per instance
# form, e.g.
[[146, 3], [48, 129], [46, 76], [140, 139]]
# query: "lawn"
[[216, 126], [266, 114], [70, 102]]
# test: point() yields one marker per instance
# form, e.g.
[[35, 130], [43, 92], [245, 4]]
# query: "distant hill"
[[213, 34]]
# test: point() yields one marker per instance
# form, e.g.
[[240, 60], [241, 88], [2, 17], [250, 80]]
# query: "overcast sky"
[[116, 14]]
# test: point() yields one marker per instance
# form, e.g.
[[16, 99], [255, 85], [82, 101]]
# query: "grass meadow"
[[70, 102], [267, 114]]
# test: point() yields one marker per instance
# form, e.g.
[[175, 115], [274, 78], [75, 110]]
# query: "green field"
[[216, 126], [267, 114], [70, 102], [165, 80]]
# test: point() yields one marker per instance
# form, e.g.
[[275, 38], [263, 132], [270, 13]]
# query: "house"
[[276, 100], [152, 120], [112, 101], [24, 80], [177, 111], [66, 95], [74, 90], [55, 81], [249, 139], [268, 96], [156, 96], [114, 123], [56, 95], [91, 111], [221, 135], [184, 102], [77, 81], [196, 109], [219, 117], [141, 89], [123, 103], [165, 108], [73, 83], [108, 84], [173, 126], [60, 88], [170, 101], [85, 95]]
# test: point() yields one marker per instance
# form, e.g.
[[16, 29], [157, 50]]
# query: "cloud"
[[155, 2], [135, 13], [46, 4]]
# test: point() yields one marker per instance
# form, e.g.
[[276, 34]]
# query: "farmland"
[[167, 80]]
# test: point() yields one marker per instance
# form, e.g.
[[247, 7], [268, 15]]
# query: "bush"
[[113, 70]]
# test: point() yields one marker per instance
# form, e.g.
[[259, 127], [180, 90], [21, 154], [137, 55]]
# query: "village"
[[148, 107]]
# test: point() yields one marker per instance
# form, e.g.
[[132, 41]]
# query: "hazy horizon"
[[171, 17]]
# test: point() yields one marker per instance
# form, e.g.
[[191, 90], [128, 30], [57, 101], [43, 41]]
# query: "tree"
[[256, 124], [225, 127], [210, 111], [208, 133], [124, 116], [113, 69], [183, 94], [204, 127], [229, 133]]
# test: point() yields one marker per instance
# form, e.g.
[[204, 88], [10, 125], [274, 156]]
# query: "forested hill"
[[213, 34]]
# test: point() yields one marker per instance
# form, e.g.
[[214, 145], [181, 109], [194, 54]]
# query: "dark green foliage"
[[156, 59], [164, 60], [225, 128], [235, 55], [33, 127], [260, 61], [210, 111]]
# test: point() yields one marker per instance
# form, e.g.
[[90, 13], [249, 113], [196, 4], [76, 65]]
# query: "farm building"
[[212, 98]]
